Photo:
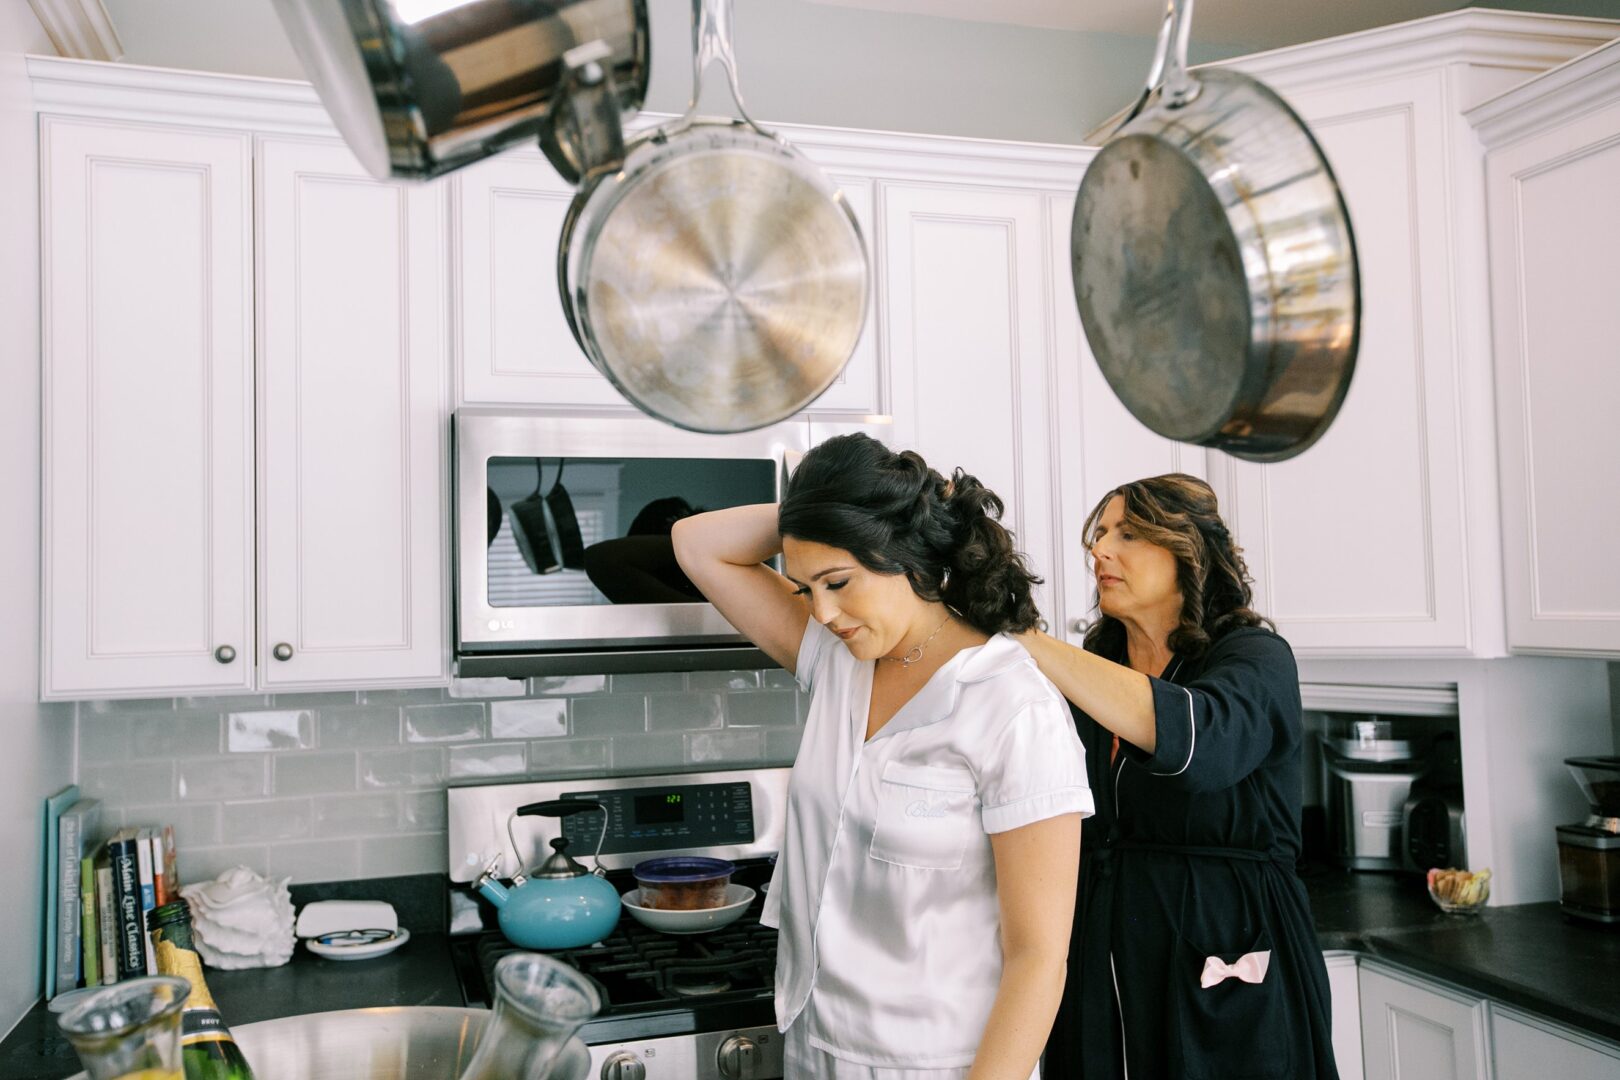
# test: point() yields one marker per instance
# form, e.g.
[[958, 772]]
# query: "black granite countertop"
[[1529, 955]]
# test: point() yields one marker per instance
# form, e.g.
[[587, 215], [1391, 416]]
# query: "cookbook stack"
[[101, 889]]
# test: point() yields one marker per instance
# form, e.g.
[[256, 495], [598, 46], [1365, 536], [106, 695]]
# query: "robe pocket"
[[1231, 1029], [924, 816]]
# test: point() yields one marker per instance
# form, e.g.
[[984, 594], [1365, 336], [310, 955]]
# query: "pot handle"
[[584, 134], [1169, 68], [711, 43]]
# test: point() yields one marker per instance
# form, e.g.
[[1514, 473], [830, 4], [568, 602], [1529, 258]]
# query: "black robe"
[[1190, 855]]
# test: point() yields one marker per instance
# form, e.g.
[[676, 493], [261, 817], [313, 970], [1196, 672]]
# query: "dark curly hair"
[[1179, 513], [896, 515]]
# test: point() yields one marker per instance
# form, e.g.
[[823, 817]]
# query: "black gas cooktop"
[[656, 984]]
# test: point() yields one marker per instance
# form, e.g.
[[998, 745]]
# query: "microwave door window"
[[571, 532]]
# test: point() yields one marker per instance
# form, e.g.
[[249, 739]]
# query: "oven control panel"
[[745, 1054], [664, 817]]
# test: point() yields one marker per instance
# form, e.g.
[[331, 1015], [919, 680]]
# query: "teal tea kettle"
[[559, 905]]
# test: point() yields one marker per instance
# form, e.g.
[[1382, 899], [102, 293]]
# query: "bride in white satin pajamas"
[[924, 893]]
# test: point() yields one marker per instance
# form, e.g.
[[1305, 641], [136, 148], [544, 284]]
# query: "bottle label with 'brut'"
[[200, 1021]]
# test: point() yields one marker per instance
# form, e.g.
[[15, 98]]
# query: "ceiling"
[[1254, 23]]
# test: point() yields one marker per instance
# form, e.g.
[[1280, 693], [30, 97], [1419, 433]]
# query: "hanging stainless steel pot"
[[716, 277], [1214, 264], [421, 87]]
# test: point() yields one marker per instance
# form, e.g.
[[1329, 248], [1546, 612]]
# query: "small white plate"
[[363, 951], [698, 921]]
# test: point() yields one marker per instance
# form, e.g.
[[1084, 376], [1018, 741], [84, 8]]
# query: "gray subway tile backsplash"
[[455, 721], [223, 778], [270, 729], [684, 712], [265, 820], [314, 773], [415, 767], [358, 726], [487, 760], [328, 786], [528, 718], [176, 734]]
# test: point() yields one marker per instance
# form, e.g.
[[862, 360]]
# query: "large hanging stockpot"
[[421, 87], [714, 275], [1214, 264]]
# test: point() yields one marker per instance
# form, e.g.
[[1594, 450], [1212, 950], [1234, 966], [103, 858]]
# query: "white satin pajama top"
[[884, 893]]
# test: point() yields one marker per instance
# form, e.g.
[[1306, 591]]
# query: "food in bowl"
[[1459, 892], [683, 883]]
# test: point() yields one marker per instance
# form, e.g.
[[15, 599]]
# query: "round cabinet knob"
[[1042, 625], [224, 654], [1077, 626], [738, 1058], [623, 1066], [282, 651]]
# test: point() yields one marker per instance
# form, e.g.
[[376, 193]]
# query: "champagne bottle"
[[207, 1049]]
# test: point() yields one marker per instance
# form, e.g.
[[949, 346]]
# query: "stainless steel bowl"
[[410, 1043]]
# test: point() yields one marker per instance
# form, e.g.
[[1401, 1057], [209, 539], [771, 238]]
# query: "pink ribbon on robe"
[[1250, 967]]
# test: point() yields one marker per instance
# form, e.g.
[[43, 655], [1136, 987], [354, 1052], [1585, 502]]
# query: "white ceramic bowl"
[[698, 921]]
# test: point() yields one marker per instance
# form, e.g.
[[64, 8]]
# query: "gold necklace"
[[915, 653]]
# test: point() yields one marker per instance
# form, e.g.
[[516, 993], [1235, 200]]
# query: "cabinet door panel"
[[514, 343], [1527, 1048], [1345, 988], [966, 283], [148, 425], [1358, 544], [1412, 1032], [860, 386], [352, 371], [1555, 226]]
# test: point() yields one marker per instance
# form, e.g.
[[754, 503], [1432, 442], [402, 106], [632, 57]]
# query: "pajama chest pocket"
[[925, 816]]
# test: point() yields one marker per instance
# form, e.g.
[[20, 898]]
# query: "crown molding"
[[90, 89], [1477, 36], [1389, 700], [79, 28], [1554, 97]]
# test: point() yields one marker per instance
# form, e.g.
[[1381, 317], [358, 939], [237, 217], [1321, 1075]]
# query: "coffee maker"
[[1589, 853]]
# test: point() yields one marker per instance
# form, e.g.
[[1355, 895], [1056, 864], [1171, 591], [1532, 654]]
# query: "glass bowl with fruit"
[[1460, 892]]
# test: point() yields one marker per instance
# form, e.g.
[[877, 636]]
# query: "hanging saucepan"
[[1214, 263], [717, 278], [421, 87]]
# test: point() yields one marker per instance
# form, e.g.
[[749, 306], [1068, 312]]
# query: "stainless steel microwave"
[[563, 561]]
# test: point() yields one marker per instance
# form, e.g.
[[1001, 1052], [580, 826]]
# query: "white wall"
[[36, 743], [800, 62]]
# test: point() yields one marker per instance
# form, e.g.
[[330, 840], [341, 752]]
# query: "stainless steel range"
[[677, 1007]]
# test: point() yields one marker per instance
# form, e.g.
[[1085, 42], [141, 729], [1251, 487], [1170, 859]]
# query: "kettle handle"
[[561, 808]]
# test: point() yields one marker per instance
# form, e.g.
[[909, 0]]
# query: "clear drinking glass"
[[539, 1004], [131, 1030]]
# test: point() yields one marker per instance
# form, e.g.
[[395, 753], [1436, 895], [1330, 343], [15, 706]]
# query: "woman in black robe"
[[1194, 953]]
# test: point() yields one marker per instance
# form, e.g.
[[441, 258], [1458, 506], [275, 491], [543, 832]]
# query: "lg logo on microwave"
[[497, 625]]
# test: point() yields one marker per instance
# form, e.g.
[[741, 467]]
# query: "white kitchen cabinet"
[[1413, 1029], [353, 369], [1344, 985], [1380, 540], [148, 409], [1552, 174], [514, 346], [1525, 1047], [969, 349]]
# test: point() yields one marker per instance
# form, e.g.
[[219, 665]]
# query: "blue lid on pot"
[[681, 868]]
